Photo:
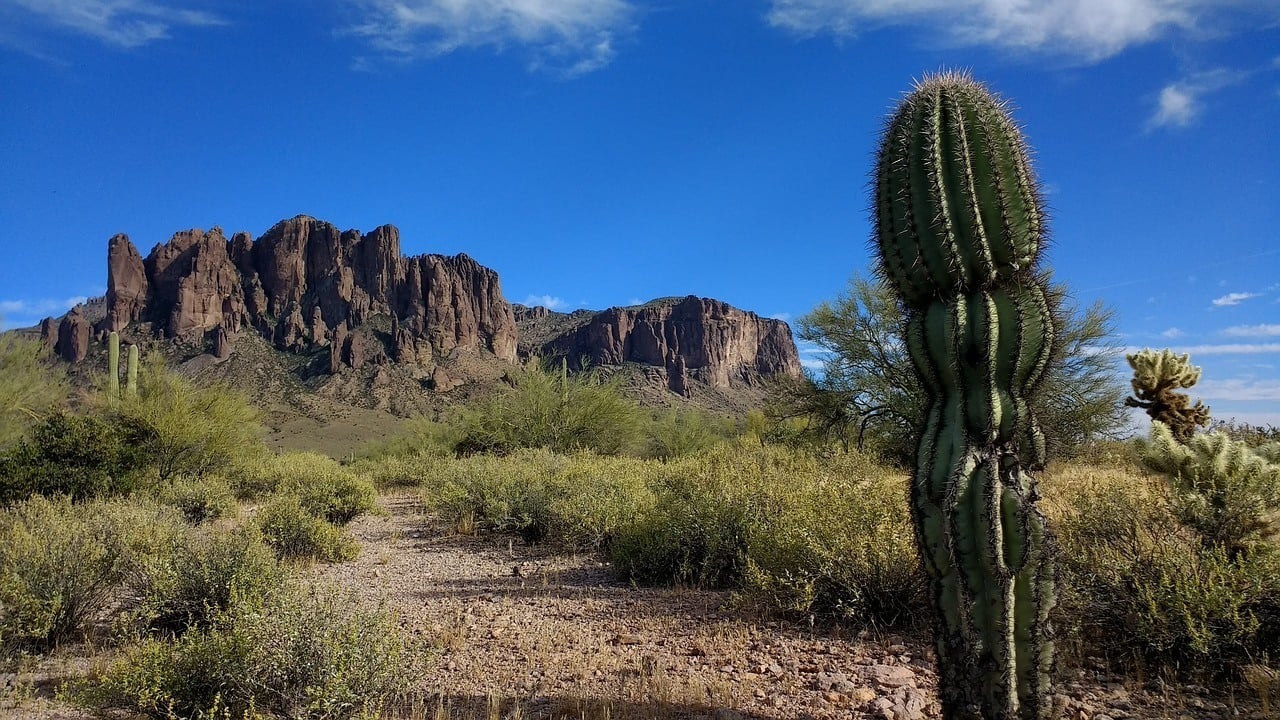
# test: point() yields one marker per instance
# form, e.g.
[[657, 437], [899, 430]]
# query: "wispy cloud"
[[1181, 102], [1172, 333], [547, 301], [1091, 30], [783, 316], [566, 37], [1252, 331], [812, 355], [1223, 349], [1234, 298], [122, 23], [21, 313], [1237, 389]]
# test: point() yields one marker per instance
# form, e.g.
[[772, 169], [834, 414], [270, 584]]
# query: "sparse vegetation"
[[28, 386]]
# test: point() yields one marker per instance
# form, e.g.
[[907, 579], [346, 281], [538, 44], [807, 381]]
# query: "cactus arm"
[[113, 367]]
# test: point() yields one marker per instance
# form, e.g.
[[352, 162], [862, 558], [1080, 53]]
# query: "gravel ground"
[[526, 632]]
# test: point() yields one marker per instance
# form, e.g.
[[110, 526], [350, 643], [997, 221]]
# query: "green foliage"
[[296, 653], [297, 534], [1136, 582], [185, 429], [29, 385], [1226, 491], [195, 577], [548, 409], [59, 564], [199, 500], [869, 396], [677, 433], [959, 230], [800, 534], [1157, 377], [81, 456], [322, 486]]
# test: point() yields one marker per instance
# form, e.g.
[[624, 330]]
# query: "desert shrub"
[[802, 534], [295, 533], [185, 429], [418, 436], [199, 575], [579, 500], [199, 500], [299, 652], [397, 471], [60, 563], [1136, 581], [323, 486], [550, 408], [677, 433], [29, 385], [81, 456]]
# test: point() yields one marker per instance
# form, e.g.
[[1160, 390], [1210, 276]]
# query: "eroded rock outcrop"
[[699, 338], [302, 281]]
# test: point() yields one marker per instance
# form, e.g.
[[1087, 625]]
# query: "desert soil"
[[532, 631]]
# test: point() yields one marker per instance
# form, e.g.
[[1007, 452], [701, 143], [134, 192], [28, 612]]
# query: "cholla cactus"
[[1157, 377], [1226, 491], [959, 231]]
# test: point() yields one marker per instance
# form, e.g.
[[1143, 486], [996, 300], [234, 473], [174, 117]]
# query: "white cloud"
[[568, 37], [812, 363], [1088, 29], [1252, 331], [21, 313], [1234, 298], [1172, 333], [1234, 389], [1180, 103], [123, 23], [1224, 349], [783, 316], [547, 301]]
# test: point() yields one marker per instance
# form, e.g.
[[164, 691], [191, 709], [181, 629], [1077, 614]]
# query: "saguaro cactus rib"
[[959, 232]]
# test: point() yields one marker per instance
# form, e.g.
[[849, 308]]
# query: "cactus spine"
[[113, 367], [958, 234], [131, 384]]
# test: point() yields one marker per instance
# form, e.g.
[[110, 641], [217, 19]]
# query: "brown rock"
[[49, 334], [691, 337], [303, 278], [221, 342], [337, 348], [127, 285], [73, 336]]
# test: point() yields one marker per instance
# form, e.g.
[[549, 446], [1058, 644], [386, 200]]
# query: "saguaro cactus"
[[131, 384], [958, 233], [113, 367]]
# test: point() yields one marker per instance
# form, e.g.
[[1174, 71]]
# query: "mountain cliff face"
[[305, 287], [690, 338], [305, 284]]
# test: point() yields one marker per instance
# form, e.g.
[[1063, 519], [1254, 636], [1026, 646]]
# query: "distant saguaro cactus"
[[131, 384], [1157, 377], [113, 367], [958, 233]]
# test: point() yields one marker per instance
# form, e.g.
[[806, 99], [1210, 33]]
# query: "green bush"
[[1136, 581], [678, 433], [60, 564], [296, 534], [551, 409], [185, 429], [323, 486], [199, 575], [82, 456], [296, 653], [199, 500], [29, 384]]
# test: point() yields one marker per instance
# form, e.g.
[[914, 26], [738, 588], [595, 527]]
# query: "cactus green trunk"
[[113, 367], [131, 386], [958, 232]]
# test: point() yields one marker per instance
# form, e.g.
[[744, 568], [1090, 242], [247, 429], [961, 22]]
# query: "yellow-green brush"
[[959, 229]]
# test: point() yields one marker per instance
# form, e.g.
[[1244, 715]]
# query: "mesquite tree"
[[959, 229]]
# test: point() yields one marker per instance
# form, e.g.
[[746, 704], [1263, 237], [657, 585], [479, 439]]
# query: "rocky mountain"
[[689, 338], [348, 301]]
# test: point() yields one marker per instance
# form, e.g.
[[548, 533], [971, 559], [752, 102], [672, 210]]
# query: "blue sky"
[[601, 152]]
